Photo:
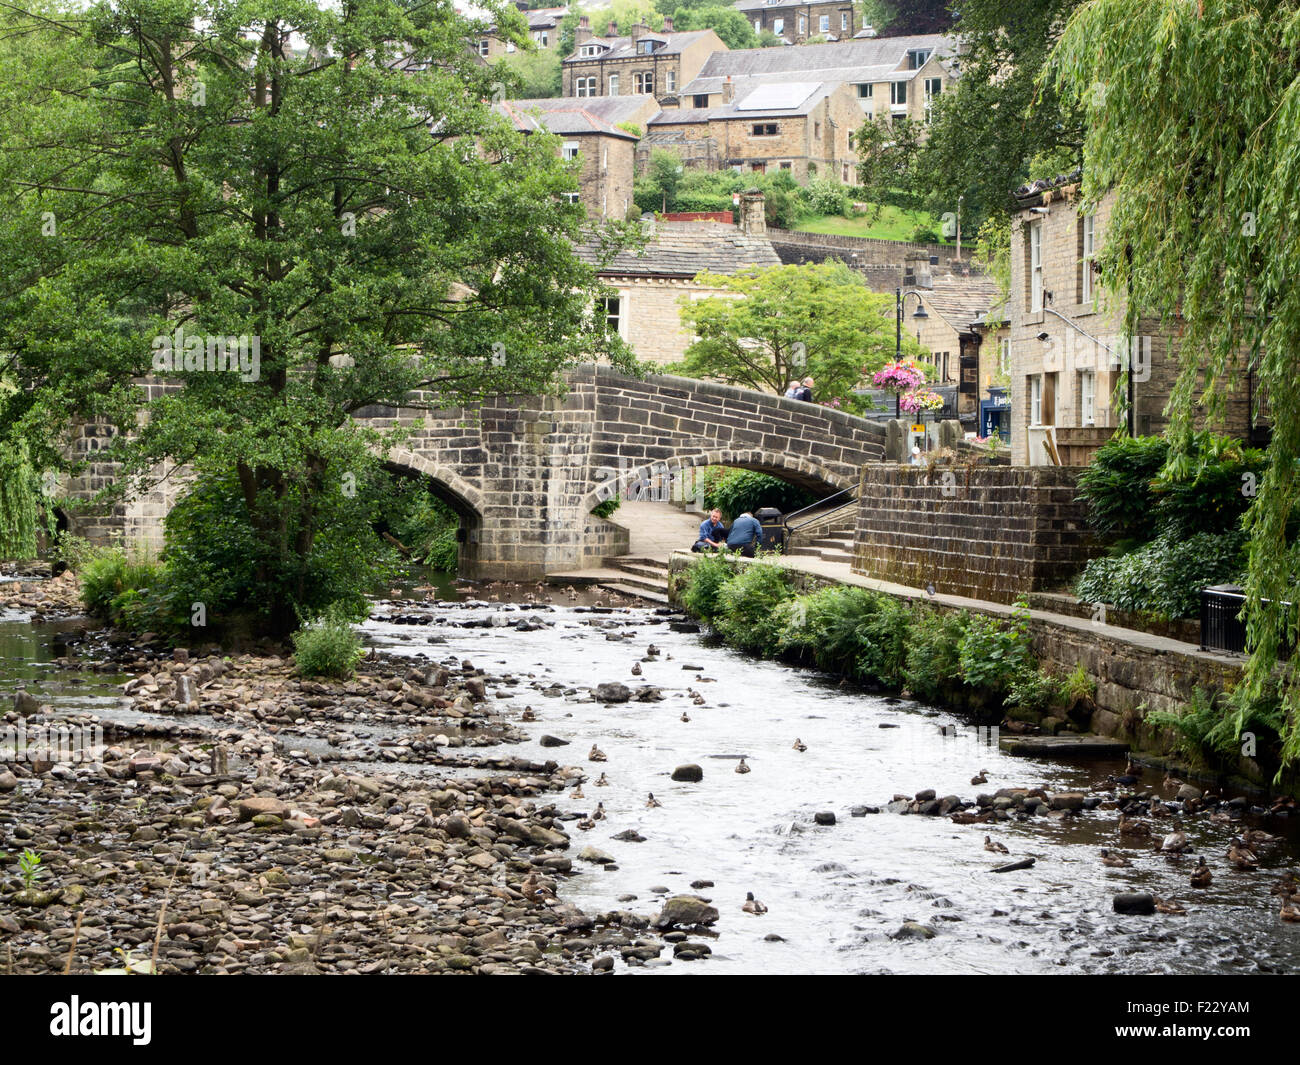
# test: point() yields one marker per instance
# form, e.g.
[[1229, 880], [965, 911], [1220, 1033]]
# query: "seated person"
[[744, 534], [712, 532]]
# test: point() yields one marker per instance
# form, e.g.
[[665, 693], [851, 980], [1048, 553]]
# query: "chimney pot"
[[639, 30], [668, 24], [728, 90]]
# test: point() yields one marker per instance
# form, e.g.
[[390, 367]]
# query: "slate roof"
[[1031, 194], [684, 249], [870, 60], [545, 17], [609, 109], [563, 116], [623, 47], [747, 104], [959, 301]]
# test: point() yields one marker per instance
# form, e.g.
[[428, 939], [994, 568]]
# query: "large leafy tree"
[[996, 127], [1193, 124], [730, 25], [329, 180], [773, 325]]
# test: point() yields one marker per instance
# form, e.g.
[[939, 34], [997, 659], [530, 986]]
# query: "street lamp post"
[[899, 298]]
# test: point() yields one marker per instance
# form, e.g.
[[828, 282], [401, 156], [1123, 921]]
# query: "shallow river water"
[[835, 894]]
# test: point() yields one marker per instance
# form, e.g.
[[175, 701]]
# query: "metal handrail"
[[814, 506]]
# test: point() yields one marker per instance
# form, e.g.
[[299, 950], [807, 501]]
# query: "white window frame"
[[571, 149], [778, 27], [613, 85], [1004, 355], [1087, 397], [898, 94], [670, 81], [585, 87], [937, 84], [870, 94], [1036, 399], [572, 197], [823, 24], [619, 319], [844, 22], [1036, 268], [803, 25], [1089, 253], [484, 46]]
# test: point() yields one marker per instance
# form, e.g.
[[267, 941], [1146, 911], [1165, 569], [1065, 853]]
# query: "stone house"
[[795, 21], [543, 28], [648, 284], [800, 126], [891, 77], [642, 63], [1067, 353], [606, 153]]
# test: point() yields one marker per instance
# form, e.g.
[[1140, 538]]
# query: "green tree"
[[531, 74], [330, 182], [735, 30], [785, 322], [1198, 148]]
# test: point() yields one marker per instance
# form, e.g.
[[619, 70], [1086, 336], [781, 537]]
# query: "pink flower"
[[920, 400], [902, 376]]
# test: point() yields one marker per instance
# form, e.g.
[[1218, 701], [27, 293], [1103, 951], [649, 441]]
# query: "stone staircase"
[[643, 577], [830, 540]]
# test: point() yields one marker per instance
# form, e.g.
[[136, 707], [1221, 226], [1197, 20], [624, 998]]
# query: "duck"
[[741, 767], [968, 818], [1171, 907], [697, 699], [528, 714], [1201, 875], [799, 745], [1286, 886], [992, 845], [651, 802], [1115, 861], [636, 669], [587, 824], [752, 905], [1290, 910], [982, 777], [1257, 837], [685, 718], [1131, 827], [1175, 842], [1172, 781], [534, 890], [598, 814], [602, 781], [652, 650], [1157, 809], [596, 754], [577, 793], [1242, 856]]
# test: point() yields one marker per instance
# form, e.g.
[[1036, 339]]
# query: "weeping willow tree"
[[1193, 121], [18, 502]]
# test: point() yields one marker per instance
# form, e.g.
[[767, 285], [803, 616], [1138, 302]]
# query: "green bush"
[[1117, 486], [748, 617], [925, 235], [1207, 489], [736, 491], [933, 662], [327, 646], [706, 578], [994, 652], [826, 196], [1164, 577], [424, 524], [605, 509], [119, 590]]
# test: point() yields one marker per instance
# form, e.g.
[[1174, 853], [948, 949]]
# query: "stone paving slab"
[[1074, 746]]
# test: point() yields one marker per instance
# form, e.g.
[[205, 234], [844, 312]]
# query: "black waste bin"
[[773, 534]]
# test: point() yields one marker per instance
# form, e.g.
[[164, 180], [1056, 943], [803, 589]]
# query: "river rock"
[[690, 773], [685, 911], [824, 817], [8, 781], [1067, 800], [25, 703], [1139, 902], [595, 856], [186, 694], [553, 741], [914, 930], [247, 809], [1188, 793], [924, 796], [612, 692]]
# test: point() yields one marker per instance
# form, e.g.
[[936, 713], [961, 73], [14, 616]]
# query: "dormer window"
[[916, 57], [589, 50], [645, 47]]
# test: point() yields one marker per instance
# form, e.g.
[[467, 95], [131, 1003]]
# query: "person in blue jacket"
[[713, 533], [744, 534]]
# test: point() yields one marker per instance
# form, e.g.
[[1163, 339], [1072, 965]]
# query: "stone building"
[[606, 153], [543, 28], [1069, 360], [800, 126], [891, 77], [649, 283], [795, 21], [642, 63]]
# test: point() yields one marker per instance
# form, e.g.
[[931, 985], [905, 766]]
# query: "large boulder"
[[247, 809], [612, 692], [1139, 902], [689, 773], [686, 911]]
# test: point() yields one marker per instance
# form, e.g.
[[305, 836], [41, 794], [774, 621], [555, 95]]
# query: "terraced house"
[[796, 21], [640, 64], [543, 28]]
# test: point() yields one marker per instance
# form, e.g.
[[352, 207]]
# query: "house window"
[[1087, 398], [933, 87], [764, 129], [916, 58], [1004, 355], [824, 24], [585, 87], [778, 26], [898, 93], [817, 131], [702, 100], [1036, 267], [571, 197], [1036, 399], [645, 47], [1088, 252], [758, 25], [844, 21], [803, 25], [864, 91], [589, 50], [484, 46], [571, 149], [786, 164], [670, 81], [612, 308], [643, 84], [613, 85], [944, 375], [541, 38], [758, 168]]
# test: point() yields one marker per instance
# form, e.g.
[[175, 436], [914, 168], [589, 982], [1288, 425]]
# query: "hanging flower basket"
[[899, 377], [920, 400]]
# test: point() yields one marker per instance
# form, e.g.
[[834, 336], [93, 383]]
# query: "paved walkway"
[[656, 530]]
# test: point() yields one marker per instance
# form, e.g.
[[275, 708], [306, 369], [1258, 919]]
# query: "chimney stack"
[[668, 24], [728, 90], [640, 30], [583, 33], [612, 29], [917, 265], [753, 216]]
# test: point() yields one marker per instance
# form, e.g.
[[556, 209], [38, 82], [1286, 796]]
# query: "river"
[[835, 894]]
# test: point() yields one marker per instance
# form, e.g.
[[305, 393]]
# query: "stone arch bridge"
[[524, 472]]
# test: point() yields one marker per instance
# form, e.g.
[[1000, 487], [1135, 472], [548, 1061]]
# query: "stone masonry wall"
[[990, 532]]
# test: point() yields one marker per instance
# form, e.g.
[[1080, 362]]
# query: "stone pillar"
[[896, 441], [753, 217], [950, 433]]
